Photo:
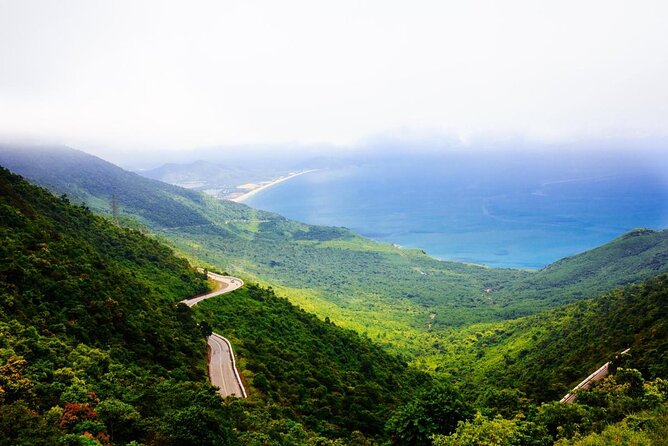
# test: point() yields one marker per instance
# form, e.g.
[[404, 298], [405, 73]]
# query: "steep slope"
[[92, 343], [88, 179], [402, 298], [546, 354], [634, 256], [95, 350], [335, 381], [79, 276]]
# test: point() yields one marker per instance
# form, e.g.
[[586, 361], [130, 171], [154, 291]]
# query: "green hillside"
[[334, 380], [546, 354], [87, 179], [401, 298], [91, 340], [516, 371], [94, 350], [634, 256]]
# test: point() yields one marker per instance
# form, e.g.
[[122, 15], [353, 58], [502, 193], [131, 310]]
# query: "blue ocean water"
[[499, 211]]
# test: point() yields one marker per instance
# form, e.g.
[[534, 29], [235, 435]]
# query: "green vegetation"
[[94, 350], [402, 299], [92, 346], [432, 412], [633, 257], [622, 409], [328, 378], [545, 355]]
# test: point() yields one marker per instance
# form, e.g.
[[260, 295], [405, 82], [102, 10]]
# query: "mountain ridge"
[[364, 285], [84, 359], [95, 350]]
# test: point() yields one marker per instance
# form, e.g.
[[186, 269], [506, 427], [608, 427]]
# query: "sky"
[[165, 75]]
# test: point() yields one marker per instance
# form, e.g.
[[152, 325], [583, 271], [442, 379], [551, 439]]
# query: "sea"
[[501, 210]]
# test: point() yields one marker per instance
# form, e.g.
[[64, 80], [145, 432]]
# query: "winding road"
[[222, 366], [598, 375], [227, 284]]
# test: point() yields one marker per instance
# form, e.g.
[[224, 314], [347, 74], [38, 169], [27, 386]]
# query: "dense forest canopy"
[[94, 348], [401, 298]]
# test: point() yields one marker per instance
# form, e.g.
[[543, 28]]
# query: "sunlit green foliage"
[[93, 349], [547, 354], [623, 409], [432, 412], [403, 299], [331, 380]]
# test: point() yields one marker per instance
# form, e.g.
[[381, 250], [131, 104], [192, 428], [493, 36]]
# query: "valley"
[[334, 223], [397, 333], [401, 298]]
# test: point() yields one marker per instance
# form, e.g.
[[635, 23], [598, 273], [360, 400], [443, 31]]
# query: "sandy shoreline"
[[267, 185]]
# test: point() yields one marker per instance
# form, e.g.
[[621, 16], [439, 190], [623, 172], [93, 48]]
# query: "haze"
[[129, 75]]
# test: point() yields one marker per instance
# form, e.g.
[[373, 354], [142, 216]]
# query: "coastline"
[[267, 185]]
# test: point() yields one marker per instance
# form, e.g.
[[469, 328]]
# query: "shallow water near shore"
[[501, 213]]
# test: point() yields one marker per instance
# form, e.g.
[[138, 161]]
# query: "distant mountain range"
[[221, 180], [212, 178]]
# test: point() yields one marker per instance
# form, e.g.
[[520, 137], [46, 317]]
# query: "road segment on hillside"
[[598, 375], [228, 284], [222, 366]]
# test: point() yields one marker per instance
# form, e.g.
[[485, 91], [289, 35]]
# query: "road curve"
[[228, 283], [222, 366]]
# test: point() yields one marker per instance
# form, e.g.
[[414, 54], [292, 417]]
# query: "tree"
[[205, 328], [120, 418], [480, 431], [13, 383], [436, 411]]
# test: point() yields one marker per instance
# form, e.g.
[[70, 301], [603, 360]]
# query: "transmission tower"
[[114, 209]]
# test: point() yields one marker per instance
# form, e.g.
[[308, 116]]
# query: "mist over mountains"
[[400, 348]]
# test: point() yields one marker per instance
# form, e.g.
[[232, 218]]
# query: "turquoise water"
[[521, 213]]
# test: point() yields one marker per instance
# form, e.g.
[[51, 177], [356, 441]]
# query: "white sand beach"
[[254, 188]]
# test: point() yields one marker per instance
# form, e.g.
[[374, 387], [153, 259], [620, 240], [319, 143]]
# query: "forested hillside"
[[403, 299], [335, 381], [516, 371], [94, 349], [634, 256], [92, 343], [545, 355]]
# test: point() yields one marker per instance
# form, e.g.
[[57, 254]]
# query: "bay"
[[517, 211]]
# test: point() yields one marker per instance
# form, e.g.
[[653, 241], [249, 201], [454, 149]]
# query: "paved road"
[[598, 375], [222, 369], [228, 284], [222, 366]]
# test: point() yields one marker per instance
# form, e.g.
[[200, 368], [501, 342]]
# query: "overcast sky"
[[154, 74]]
